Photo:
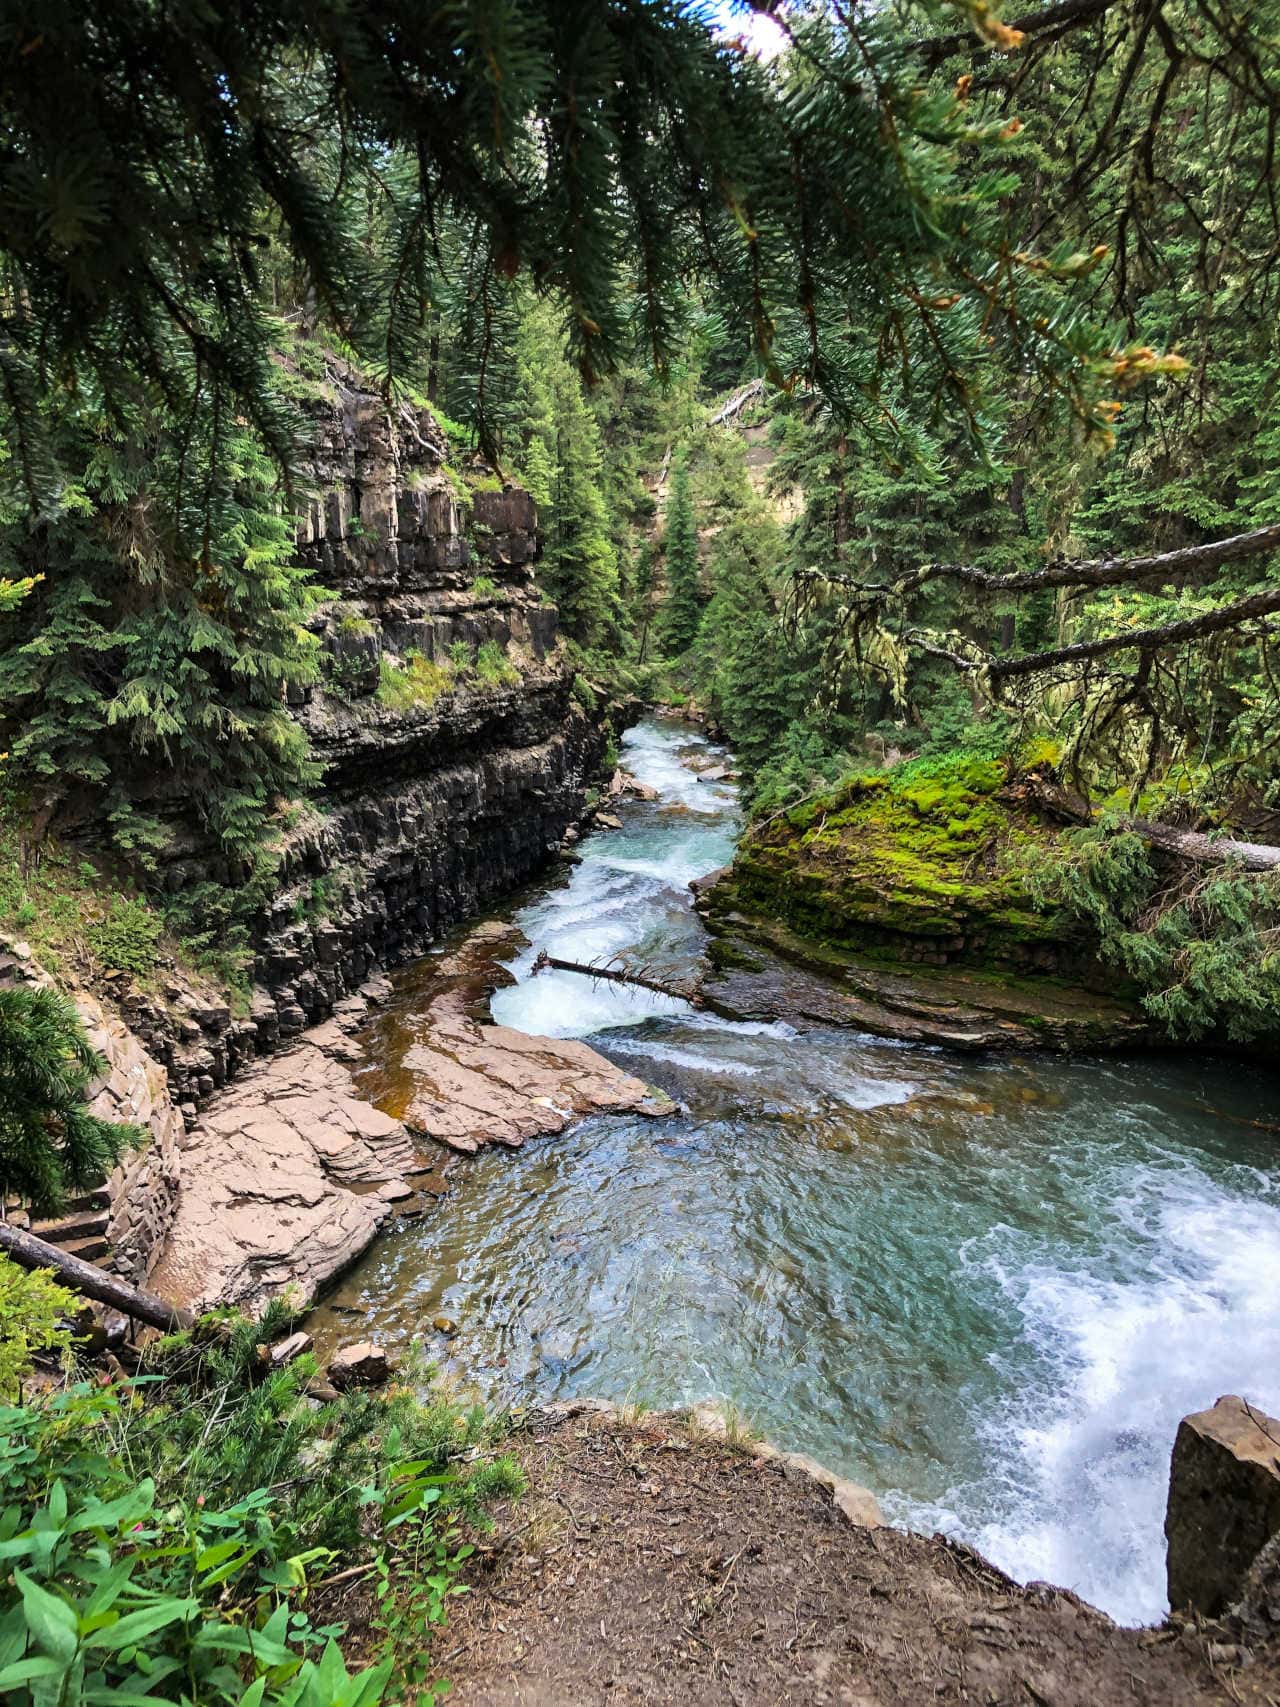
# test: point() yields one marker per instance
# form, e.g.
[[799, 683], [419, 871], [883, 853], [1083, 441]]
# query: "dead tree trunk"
[[616, 975], [92, 1282]]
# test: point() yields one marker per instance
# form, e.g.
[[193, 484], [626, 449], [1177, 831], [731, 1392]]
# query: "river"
[[987, 1288]]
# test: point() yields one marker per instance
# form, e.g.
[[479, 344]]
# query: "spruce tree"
[[682, 609], [561, 460], [49, 1143]]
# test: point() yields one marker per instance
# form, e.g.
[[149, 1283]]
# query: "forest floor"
[[650, 1563]]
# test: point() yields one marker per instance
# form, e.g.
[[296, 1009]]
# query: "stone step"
[[88, 1250], [64, 1227], [98, 1198]]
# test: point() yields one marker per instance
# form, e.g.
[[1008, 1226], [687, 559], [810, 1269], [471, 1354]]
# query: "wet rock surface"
[[453, 1077], [761, 970]]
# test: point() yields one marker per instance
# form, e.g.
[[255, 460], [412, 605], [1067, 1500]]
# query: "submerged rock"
[[1224, 1503], [362, 1365]]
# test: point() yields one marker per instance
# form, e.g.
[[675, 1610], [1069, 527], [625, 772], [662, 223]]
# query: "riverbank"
[[650, 1562]]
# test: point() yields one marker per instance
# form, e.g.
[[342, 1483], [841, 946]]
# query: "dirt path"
[[651, 1564]]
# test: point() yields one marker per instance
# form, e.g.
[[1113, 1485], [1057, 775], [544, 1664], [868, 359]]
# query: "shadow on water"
[[988, 1288]]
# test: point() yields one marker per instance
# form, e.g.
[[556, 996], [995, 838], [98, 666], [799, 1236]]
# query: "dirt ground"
[[648, 1563]]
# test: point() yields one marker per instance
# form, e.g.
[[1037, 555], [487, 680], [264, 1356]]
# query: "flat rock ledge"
[[467, 1083], [285, 1182]]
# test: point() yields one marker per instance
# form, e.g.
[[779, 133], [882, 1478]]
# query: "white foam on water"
[[675, 1057], [1123, 1359]]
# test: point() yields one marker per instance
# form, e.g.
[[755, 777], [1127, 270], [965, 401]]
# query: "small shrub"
[[461, 655], [494, 667], [125, 939], [484, 587], [33, 1308], [414, 684]]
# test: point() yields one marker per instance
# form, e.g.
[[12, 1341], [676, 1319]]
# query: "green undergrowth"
[[417, 682], [413, 684], [171, 1539], [80, 923], [1202, 943], [918, 852]]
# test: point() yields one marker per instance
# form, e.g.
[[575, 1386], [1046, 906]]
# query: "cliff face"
[[454, 758], [454, 754]]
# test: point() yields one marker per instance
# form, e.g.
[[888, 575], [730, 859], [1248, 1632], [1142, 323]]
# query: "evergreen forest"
[[898, 388]]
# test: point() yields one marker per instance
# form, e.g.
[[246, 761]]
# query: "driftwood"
[[1205, 850], [92, 1282], [643, 980], [1195, 845]]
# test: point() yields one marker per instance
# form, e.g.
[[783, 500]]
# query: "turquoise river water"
[[985, 1287]]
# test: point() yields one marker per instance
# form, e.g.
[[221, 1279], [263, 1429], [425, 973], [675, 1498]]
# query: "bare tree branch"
[[1053, 21], [1137, 639]]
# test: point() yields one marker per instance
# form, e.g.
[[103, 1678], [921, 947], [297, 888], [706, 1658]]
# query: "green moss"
[[918, 853]]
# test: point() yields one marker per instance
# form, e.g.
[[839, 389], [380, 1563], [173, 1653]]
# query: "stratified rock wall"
[[432, 804]]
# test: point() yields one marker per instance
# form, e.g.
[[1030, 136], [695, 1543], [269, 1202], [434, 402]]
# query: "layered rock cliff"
[[454, 757], [454, 753]]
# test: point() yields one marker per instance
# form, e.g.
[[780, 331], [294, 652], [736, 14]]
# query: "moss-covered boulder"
[[919, 864]]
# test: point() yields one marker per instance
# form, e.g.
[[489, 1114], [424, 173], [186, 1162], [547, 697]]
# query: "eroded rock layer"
[[454, 752]]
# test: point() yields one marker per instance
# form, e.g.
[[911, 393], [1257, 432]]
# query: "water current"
[[985, 1287]]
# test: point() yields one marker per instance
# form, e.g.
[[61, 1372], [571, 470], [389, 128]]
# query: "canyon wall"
[[445, 785], [454, 756]]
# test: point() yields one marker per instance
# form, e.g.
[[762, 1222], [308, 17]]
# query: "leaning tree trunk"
[[92, 1282]]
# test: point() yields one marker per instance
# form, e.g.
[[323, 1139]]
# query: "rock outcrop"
[[760, 970], [1224, 1503], [454, 753], [903, 903], [286, 1182], [454, 1077], [124, 1221]]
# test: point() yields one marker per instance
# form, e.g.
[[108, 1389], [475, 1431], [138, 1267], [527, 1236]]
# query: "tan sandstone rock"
[[467, 1083], [1224, 1502], [281, 1184], [362, 1365]]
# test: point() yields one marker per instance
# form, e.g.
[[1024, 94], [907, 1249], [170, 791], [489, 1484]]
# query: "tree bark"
[[1053, 19], [1139, 639], [1194, 845], [92, 1282], [1103, 571], [614, 975]]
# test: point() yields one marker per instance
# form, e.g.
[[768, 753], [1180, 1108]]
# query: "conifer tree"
[[49, 1143], [682, 609], [561, 460]]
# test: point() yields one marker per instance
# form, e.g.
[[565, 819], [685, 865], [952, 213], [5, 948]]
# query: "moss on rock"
[[918, 863]]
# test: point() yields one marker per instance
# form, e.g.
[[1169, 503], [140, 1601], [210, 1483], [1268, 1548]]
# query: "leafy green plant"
[[493, 666], [125, 938], [484, 587], [33, 1313], [461, 655], [162, 1538]]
